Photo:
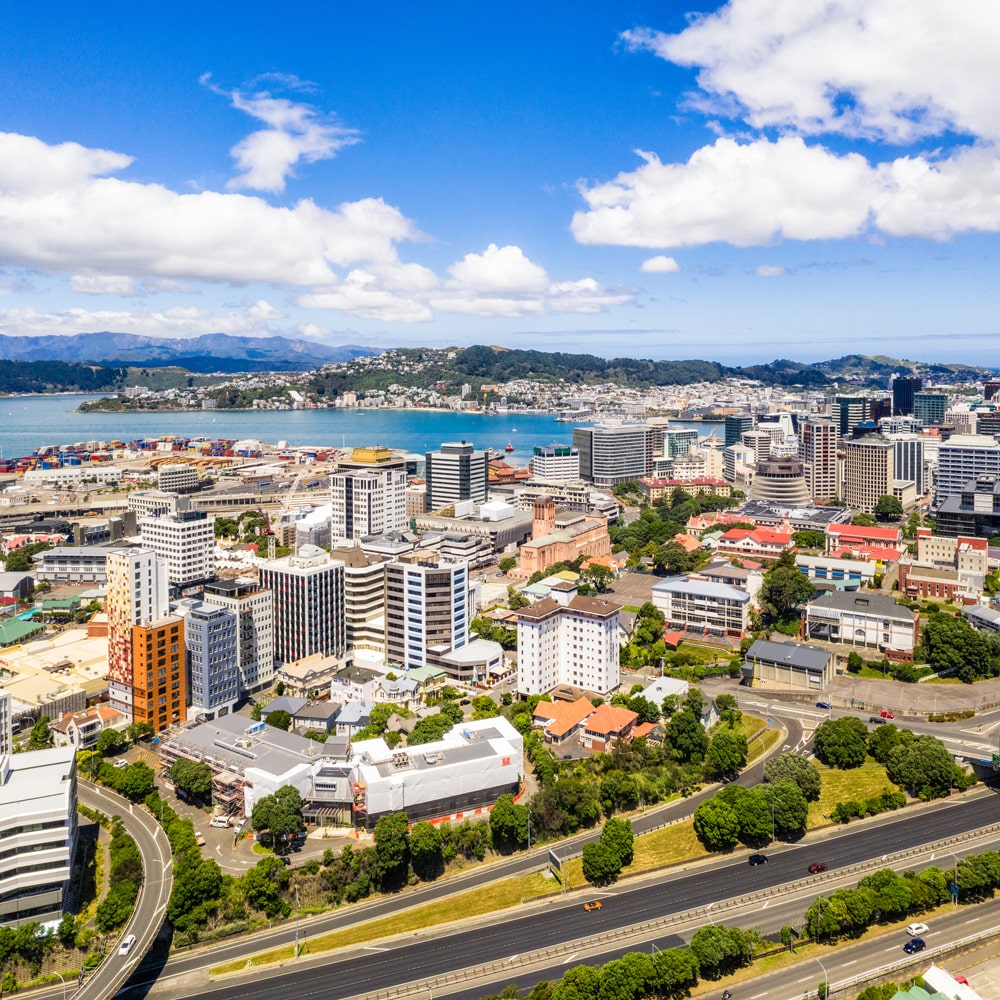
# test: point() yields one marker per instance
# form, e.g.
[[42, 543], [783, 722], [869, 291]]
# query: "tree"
[[716, 825], [726, 754], [794, 767], [787, 937], [600, 576], [619, 838], [111, 741], [720, 949], [279, 688], [506, 564], [516, 600], [263, 884], [923, 767], [809, 539], [137, 731], [40, 737], [788, 808], [508, 824], [855, 662], [841, 742], [675, 972], [484, 707], [280, 719], [135, 782], [279, 814], [195, 777], [391, 853], [685, 737], [784, 588], [864, 520], [600, 864], [888, 508], [426, 851]]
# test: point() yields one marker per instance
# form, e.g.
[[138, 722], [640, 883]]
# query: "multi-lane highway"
[[387, 965]]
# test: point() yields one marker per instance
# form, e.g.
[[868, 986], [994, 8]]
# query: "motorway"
[[560, 920], [154, 894]]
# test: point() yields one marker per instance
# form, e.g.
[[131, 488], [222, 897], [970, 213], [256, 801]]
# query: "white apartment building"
[[367, 502], [253, 606], [308, 593], [211, 657], [568, 641], [704, 606], [455, 473], [38, 829], [72, 564], [185, 542], [555, 462], [963, 458], [137, 593], [157, 503], [364, 603]]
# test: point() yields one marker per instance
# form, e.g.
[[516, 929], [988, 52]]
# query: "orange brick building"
[[159, 681]]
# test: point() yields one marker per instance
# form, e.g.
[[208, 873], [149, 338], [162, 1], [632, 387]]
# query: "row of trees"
[[604, 860], [951, 645], [124, 878]]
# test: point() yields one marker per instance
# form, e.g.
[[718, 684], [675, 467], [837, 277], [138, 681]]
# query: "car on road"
[[824, 704], [876, 721], [914, 945], [126, 946], [915, 930], [757, 859], [219, 822], [961, 979], [818, 867], [886, 714], [594, 904]]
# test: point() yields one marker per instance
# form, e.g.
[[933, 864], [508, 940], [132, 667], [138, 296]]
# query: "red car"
[[886, 714], [962, 980], [817, 868]]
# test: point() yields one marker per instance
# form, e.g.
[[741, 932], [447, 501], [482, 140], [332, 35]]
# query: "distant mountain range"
[[211, 352]]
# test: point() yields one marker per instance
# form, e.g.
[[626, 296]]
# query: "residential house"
[[607, 726]]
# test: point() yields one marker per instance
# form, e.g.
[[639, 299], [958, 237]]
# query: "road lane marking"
[[371, 947], [571, 957]]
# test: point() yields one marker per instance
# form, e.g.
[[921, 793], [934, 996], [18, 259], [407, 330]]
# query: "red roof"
[[611, 719], [764, 536], [860, 531]]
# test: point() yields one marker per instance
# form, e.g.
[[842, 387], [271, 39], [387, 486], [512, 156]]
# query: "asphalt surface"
[[561, 921], [151, 906]]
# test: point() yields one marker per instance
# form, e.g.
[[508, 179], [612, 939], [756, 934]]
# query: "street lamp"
[[60, 975], [708, 912], [826, 978]]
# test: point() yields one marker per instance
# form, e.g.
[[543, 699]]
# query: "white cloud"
[[83, 222], [659, 265], [296, 132], [770, 271], [262, 309], [754, 194], [103, 284], [889, 69], [173, 322], [500, 269], [362, 295], [746, 195]]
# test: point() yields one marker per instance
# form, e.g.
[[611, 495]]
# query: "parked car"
[[818, 867], [886, 714], [876, 721], [126, 946], [219, 822], [594, 904], [757, 859], [961, 979], [915, 930], [824, 704], [914, 945], [120, 763]]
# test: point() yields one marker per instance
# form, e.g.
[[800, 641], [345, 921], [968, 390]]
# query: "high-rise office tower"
[[962, 459], [455, 472], [869, 471], [736, 424], [930, 407], [368, 494], [903, 388], [615, 453], [212, 660], [818, 454], [308, 593], [185, 542]]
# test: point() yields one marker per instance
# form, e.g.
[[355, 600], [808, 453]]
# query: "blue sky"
[[738, 181]]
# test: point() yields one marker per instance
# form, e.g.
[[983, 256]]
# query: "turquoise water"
[[26, 615], [29, 422]]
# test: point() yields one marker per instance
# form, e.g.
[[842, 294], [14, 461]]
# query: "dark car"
[[824, 704], [817, 868], [876, 721], [914, 945], [757, 859]]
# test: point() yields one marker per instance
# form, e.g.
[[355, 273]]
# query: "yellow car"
[[594, 904]]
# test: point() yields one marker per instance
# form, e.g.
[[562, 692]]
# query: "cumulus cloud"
[[887, 71], [659, 265], [120, 237], [173, 322], [770, 271], [894, 70], [296, 132], [103, 284]]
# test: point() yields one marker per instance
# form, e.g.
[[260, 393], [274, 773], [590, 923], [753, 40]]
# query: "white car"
[[219, 822], [915, 930], [121, 763], [126, 946]]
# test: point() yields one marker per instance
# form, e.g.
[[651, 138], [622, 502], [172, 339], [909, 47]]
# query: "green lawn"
[[841, 786]]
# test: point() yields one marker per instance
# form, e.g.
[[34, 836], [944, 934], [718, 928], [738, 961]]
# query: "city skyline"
[[740, 183]]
